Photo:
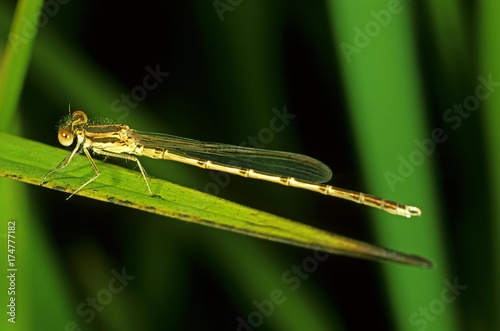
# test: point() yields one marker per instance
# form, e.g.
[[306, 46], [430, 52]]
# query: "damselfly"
[[118, 140]]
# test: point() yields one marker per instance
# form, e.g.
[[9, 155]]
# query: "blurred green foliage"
[[368, 83]]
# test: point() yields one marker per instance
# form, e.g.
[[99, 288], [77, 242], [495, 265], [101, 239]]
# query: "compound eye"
[[65, 137]]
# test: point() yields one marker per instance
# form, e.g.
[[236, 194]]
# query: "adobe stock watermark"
[[138, 93], [372, 29], [292, 279], [264, 137], [30, 25], [222, 6], [93, 305], [426, 315], [454, 117]]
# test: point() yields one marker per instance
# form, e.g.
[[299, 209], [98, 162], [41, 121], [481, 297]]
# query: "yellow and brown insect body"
[[294, 170]]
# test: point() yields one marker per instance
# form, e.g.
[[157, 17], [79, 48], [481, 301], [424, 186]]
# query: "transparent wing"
[[265, 161]]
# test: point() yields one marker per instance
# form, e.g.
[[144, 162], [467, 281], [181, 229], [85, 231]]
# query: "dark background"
[[225, 78]]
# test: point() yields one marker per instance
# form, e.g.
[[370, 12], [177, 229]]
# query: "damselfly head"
[[66, 128]]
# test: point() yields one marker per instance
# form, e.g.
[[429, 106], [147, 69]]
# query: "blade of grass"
[[16, 58], [489, 52], [386, 123], [29, 161], [40, 301]]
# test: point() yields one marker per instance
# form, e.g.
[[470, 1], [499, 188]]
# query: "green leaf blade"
[[29, 161]]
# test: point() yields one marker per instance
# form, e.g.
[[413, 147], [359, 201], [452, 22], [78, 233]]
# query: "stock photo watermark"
[[428, 314], [11, 271], [93, 305], [454, 118], [265, 136], [363, 36], [138, 93], [221, 7], [291, 279], [30, 25]]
